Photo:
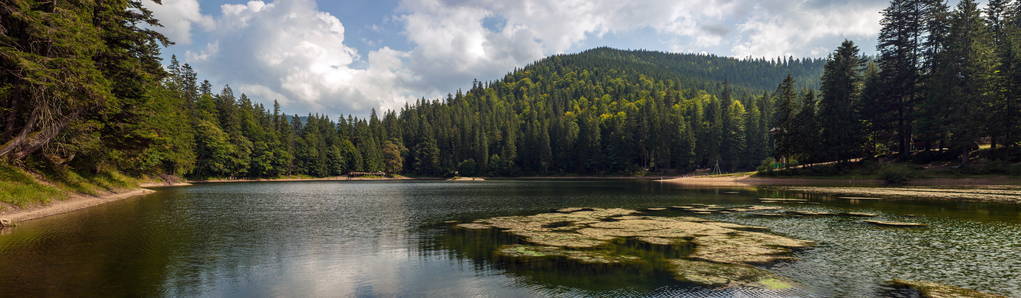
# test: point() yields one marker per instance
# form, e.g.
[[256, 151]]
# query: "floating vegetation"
[[896, 224], [717, 254], [782, 200], [728, 275], [810, 213], [583, 256], [860, 198], [935, 290], [859, 214]]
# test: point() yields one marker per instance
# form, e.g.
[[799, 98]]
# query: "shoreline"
[[72, 203], [75, 202], [335, 178], [749, 180]]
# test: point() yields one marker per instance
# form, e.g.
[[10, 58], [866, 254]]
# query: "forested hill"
[[72, 111], [697, 70]]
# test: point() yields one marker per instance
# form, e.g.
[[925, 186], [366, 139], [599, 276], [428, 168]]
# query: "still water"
[[305, 239]]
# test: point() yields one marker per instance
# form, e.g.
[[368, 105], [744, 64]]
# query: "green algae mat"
[[695, 250]]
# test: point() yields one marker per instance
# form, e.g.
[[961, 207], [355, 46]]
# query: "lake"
[[302, 239]]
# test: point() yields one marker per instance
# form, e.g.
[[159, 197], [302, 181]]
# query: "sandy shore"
[[337, 178], [748, 180], [72, 203], [990, 193], [467, 179]]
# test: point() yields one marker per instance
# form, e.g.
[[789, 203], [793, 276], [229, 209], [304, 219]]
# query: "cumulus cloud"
[[290, 50], [177, 18], [454, 45]]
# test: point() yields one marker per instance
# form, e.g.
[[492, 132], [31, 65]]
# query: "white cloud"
[[177, 17], [292, 51]]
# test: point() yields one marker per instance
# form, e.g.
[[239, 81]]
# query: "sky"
[[342, 57]]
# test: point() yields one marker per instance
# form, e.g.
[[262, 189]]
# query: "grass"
[[89, 183], [21, 189]]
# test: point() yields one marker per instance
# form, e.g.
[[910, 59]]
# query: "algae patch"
[[935, 290], [715, 254]]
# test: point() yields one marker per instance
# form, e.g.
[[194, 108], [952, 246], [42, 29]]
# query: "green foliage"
[[393, 157], [98, 101]]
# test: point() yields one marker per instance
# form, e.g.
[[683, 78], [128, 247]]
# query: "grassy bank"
[[19, 188]]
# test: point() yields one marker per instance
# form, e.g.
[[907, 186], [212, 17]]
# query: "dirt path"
[[72, 203]]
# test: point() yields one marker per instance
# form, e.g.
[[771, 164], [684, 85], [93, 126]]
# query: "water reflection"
[[388, 239]]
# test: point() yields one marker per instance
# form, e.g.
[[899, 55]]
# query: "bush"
[[895, 174], [767, 166]]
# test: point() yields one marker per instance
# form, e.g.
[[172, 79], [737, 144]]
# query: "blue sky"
[[349, 56]]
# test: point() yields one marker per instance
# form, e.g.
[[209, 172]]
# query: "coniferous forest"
[[84, 90]]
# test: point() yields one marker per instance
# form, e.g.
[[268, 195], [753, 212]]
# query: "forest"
[[84, 91]]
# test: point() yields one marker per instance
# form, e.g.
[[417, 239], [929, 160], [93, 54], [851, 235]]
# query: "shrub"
[[895, 174], [767, 166]]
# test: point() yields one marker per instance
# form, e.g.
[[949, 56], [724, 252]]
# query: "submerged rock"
[[935, 290], [585, 235], [896, 224]]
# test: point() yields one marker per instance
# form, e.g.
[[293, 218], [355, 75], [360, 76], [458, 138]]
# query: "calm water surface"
[[303, 239]]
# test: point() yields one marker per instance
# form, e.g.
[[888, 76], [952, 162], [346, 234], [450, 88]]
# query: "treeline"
[[561, 115], [944, 81], [83, 89]]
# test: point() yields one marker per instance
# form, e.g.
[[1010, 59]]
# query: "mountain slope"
[[604, 111]]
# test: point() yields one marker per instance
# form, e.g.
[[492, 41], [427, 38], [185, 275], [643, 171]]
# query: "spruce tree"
[[841, 84]]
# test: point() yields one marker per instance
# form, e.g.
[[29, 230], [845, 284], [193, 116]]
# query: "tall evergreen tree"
[[841, 85]]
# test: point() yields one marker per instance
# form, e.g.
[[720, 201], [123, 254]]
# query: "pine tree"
[[734, 137], [972, 63], [841, 85], [899, 56], [783, 128]]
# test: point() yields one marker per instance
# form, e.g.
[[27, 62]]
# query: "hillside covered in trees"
[[69, 108], [84, 91]]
